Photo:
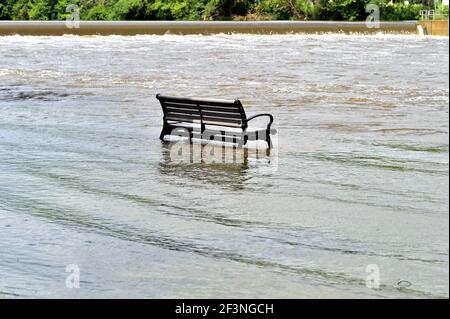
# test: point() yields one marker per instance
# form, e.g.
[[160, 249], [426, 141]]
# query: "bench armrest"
[[264, 114]]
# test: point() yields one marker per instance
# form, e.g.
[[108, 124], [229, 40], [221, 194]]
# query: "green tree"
[[227, 8], [350, 10], [98, 12], [40, 10], [60, 8], [289, 9], [5, 10], [399, 11], [175, 9], [128, 10]]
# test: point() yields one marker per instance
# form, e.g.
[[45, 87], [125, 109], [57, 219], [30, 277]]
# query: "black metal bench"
[[211, 119]]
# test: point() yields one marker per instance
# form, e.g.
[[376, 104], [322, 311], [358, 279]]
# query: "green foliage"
[[41, 10], [5, 11], [20, 10], [128, 10], [309, 9], [289, 9], [61, 8], [350, 10], [212, 9], [279, 9], [196, 10], [442, 12], [399, 11], [168, 10], [98, 12], [225, 9]]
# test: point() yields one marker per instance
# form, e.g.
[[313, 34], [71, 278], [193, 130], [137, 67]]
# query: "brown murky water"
[[361, 177]]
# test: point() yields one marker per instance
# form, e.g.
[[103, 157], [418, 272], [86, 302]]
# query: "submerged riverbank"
[[199, 27], [362, 178]]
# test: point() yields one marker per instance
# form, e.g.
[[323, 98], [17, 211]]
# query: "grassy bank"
[[336, 10]]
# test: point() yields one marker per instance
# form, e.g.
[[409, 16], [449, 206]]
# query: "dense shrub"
[[399, 11], [5, 11], [350, 10], [289, 9], [128, 10], [98, 12]]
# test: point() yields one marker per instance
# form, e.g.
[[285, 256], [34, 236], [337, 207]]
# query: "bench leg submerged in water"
[[240, 141]]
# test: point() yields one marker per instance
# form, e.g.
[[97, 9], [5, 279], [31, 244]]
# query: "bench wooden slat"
[[181, 106], [186, 111], [235, 116], [220, 109], [182, 114], [179, 116], [232, 109], [206, 120], [195, 102], [221, 119], [208, 116], [213, 123], [222, 115], [183, 119]]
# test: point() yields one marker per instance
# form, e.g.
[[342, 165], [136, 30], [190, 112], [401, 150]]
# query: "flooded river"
[[360, 186]]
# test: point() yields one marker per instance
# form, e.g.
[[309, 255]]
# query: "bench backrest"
[[205, 112]]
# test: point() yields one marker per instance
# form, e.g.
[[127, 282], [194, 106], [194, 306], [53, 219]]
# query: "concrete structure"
[[197, 27], [435, 27]]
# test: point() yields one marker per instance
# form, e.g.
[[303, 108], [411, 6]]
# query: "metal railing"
[[433, 15]]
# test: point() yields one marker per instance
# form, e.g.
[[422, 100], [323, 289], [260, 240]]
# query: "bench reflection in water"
[[214, 164]]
